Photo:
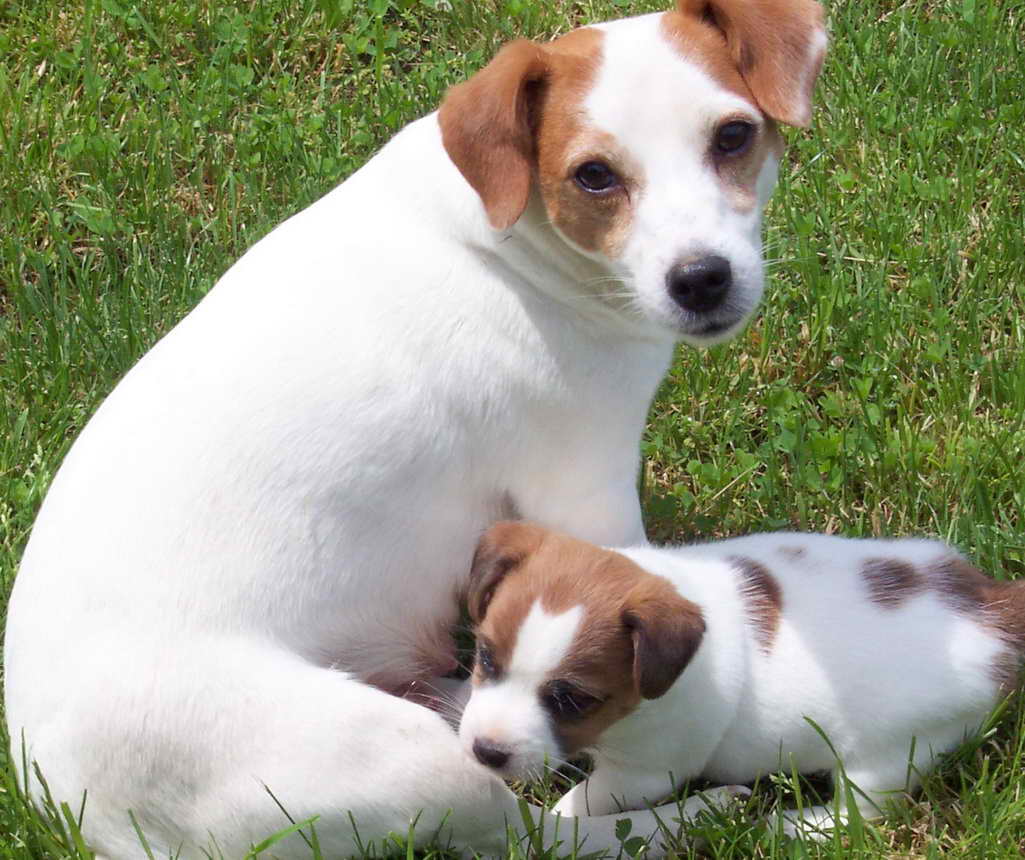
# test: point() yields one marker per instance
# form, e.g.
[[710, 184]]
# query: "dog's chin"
[[705, 332], [700, 329], [711, 333]]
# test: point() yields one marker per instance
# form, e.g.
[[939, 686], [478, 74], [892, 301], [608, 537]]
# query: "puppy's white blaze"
[[542, 642], [508, 711]]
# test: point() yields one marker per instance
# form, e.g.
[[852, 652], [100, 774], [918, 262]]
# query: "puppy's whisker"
[[562, 765]]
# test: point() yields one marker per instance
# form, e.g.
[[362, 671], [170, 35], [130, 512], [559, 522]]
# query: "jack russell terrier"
[[710, 660], [262, 533]]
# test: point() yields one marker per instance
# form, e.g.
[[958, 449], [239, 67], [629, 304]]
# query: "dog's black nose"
[[700, 285], [489, 753]]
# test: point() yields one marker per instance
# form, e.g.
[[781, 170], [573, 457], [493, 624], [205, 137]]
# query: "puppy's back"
[[867, 638]]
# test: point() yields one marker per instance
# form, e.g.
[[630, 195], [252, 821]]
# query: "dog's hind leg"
[[868, 787], [215, 750]]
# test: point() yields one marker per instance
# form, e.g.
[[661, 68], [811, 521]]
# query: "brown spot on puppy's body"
[[999, 606], [763, 598], [969, 591], [1006, 669], [890, 581], [963, 587]]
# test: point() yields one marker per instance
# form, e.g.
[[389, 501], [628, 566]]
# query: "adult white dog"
[[266, 525]]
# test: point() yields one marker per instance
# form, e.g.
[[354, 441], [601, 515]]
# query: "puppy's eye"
[[567, 701], [734, 137], [486, 662], [594, 176]]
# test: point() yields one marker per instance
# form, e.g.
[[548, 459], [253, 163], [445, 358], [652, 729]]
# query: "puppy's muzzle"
[[489, 753], [701, 285]]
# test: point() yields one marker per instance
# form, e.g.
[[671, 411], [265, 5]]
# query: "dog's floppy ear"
[[503, 547], [487, 127], [666, 630], [778, 46]]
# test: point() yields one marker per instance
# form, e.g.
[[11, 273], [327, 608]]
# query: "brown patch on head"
[[636, 636], [891, 581], [597, 222], [502, 548], [520, 120], [699, 40], [763, 600], [793, 553], [775, 46]]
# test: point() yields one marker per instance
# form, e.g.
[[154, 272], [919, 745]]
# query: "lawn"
[[881, 391]]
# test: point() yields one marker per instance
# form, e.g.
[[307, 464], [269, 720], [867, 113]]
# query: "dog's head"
[[652, 146], [570, 639]]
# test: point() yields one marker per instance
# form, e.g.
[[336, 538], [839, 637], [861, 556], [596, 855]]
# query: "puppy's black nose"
[[489, 753], [700, 285]]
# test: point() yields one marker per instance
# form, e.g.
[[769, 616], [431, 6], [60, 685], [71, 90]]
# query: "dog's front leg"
[[608, 791]]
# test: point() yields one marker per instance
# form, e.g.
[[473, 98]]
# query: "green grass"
[[881, 391]]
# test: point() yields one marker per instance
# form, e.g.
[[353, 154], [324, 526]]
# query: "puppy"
[[710, 660], [262, 532]]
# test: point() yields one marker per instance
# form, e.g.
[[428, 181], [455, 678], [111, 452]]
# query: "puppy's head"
[[570, 639], [651, 144]]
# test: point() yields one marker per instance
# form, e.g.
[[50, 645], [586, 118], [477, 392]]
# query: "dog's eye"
[[595, 176], [567, 701], [733, 137], [486, 662]]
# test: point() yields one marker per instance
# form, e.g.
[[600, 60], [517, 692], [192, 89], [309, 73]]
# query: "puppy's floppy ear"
[[666, 630], [503, 547], [778, 46], [487, 127]]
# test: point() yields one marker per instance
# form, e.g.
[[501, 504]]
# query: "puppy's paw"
[[580, 801], [813, 823], [724, 795]]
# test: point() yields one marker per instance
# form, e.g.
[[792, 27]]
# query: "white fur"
[[892, 687], [282, 498]]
